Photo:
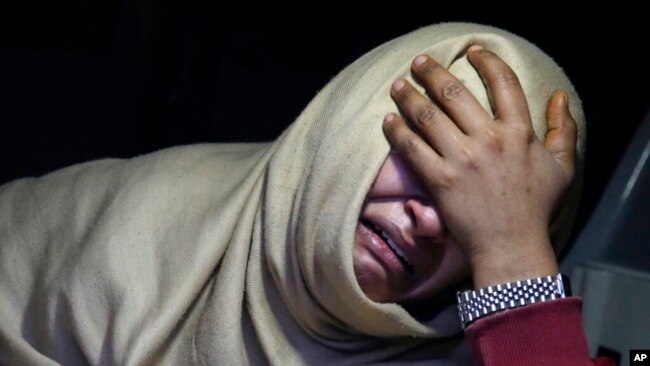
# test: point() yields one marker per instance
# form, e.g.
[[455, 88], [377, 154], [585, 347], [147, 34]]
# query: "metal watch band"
[[473, 304]]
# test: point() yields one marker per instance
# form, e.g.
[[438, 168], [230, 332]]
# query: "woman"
[[255, 253]]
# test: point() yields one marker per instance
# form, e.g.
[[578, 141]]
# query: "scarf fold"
[[234, 254]]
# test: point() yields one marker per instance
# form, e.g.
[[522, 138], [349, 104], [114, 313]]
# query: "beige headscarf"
[[228, 254]]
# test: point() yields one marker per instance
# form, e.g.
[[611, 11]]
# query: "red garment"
[[549, 333]]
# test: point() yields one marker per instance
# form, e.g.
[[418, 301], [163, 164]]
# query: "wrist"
[[527, 260], [474, 304]]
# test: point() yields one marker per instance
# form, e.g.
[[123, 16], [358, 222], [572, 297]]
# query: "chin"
[[370, 282], [371, 278]]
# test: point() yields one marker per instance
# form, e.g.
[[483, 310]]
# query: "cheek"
[[453, 269], [455, 265]]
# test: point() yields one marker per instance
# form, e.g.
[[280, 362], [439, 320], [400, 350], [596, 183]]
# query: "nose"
[[425, 219]]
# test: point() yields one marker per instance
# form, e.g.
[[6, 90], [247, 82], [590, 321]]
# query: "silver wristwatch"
[[473, 304]]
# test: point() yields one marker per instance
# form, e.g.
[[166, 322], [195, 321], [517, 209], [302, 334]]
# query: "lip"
[[395, 234], [381, 251], [419, 260]]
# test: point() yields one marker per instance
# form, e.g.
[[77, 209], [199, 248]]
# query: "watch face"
[[567, 285]]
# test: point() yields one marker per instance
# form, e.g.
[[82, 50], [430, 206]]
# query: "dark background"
[[82, 80]]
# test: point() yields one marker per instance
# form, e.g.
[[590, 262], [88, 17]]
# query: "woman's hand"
[[495, 184]]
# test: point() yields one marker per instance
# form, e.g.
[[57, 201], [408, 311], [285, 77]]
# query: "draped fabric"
[[230, 254]]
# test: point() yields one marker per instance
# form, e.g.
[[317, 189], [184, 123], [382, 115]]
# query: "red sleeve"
[[549, 333]]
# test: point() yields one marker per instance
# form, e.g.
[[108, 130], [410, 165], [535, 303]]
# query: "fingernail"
[[397, 85], [475, 47], [566, 99], [389, 117], [419, 60]]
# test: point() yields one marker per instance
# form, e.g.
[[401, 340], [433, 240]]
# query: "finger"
[[561, 135], [457, 101], [430, 121], [504, 90], [423, 160]]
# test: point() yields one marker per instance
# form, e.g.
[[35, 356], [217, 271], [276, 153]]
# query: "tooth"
[[392, 244], [397, 250]]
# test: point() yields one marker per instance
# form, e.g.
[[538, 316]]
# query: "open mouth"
[[390, 243]]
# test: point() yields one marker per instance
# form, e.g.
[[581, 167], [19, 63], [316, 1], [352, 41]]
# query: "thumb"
[[561, 134]]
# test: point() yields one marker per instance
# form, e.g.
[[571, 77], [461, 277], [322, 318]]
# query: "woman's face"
[[402, 251]]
